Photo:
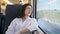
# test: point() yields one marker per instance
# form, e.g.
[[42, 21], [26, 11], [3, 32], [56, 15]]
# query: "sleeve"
[[33, 26], [11, 28]]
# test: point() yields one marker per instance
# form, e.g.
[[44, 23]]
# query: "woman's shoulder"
[[16, 19], [33, 19]]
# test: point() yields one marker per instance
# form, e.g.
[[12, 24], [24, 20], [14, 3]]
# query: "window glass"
[[48, 15]]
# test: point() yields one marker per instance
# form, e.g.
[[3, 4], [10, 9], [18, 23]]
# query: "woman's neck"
[[24, 18]]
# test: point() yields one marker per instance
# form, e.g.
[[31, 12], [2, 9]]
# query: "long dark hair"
[[21, 13]]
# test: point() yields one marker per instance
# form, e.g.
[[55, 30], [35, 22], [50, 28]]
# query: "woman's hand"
[[19, 32], [22, 31]]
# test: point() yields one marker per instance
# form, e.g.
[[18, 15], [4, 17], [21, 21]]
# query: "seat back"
[[11, 13], [0, 22]]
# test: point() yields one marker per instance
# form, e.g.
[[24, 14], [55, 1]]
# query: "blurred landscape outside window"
[[48, 15]]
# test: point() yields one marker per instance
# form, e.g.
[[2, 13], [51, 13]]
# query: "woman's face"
[[28, 10]]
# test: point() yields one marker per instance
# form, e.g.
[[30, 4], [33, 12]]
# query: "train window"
[[48, 15]]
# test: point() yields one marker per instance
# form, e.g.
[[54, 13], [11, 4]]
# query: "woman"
[[23, 23]]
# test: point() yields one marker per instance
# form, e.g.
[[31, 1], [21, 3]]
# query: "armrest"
[[34, 32], [42, 30]]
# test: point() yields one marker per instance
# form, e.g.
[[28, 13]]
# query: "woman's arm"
[[32, 27], [26, 30]]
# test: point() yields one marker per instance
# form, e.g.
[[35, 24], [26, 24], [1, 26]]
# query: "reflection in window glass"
[[48, 14]]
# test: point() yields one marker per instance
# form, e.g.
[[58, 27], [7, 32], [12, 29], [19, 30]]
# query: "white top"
[[17, 24]]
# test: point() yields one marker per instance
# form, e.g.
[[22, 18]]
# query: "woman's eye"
[[30, 9]]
